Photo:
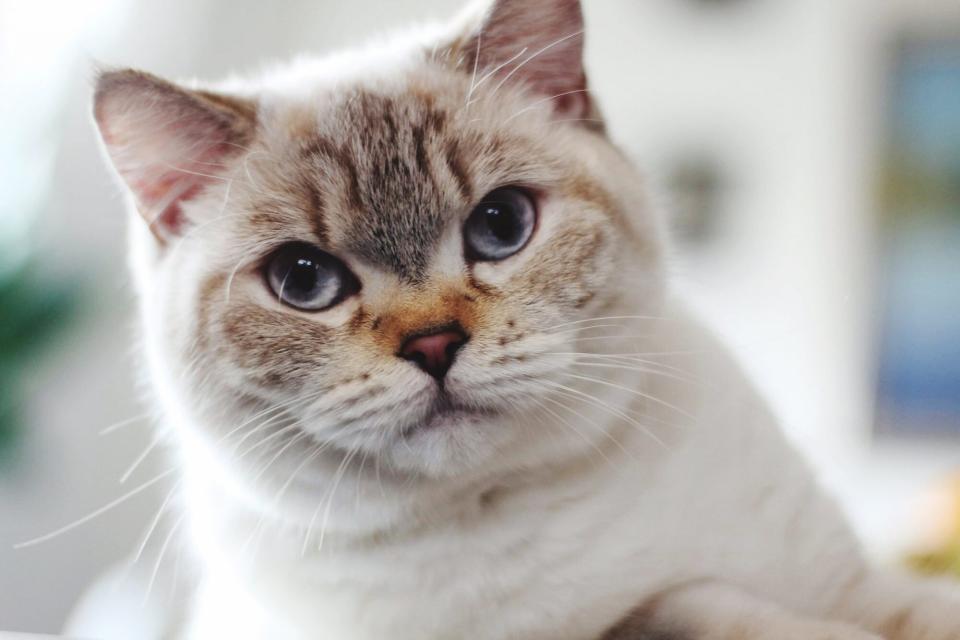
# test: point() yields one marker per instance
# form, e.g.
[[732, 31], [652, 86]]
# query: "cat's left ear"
[[537, 44], [168, 143]]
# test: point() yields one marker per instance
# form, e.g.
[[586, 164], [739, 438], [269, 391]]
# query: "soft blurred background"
[[809, 152]]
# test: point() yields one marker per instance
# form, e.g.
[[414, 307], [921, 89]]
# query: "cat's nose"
[[434, 352]]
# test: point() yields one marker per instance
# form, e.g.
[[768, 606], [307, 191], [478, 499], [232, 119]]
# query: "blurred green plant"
[[32, 313]]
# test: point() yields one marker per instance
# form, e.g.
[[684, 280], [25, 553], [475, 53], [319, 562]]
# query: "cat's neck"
[[376, 511]]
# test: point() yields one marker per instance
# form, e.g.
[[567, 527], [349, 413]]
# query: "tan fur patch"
[[425, 313]]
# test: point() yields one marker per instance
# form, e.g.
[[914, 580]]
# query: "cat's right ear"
[[536, 44], [168, 143]]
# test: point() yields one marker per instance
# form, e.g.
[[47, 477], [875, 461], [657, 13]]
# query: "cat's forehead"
[[387, 172], [401, 169]]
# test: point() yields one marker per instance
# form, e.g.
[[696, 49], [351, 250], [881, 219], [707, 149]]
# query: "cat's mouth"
[[446, 412]]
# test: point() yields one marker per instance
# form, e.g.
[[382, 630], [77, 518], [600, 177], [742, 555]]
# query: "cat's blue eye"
[[500, 225], [308, 278]]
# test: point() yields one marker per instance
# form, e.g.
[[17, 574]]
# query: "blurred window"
[[919, 377]]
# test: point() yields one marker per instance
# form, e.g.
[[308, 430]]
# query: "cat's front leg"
[[904, 608], [715, 611]]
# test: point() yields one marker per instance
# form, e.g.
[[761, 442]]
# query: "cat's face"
[[390, 264]]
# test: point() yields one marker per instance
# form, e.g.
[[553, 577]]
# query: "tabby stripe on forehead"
[[317, 210], [374, 108], [341, 157], [423, 159], [354, 195], [458, 169], [433, 124]]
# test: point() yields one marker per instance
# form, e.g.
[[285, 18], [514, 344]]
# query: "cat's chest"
[[560, 564], [550, 575]]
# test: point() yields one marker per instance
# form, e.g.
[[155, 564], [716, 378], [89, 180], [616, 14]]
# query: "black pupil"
[[502, 221], [303, 275]]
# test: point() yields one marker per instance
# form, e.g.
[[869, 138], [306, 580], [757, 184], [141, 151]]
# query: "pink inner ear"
[[169, 218], [162, 190], [573, 105], [537, 44], [168, 144]]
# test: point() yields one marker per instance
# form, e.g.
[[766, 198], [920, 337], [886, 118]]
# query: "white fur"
[[567, 550]]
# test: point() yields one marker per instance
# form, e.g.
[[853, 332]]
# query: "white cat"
[[407, 319]]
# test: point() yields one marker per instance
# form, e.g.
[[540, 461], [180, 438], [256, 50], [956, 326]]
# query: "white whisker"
[[97, 512], [533, 56], [576, 393], [635, 392], [326, 512], [476, 65], [594, 423], [160, 555], [285, 447], [536, 104], [635, 368], [570, 426], [598, 319], [154, 442], [154, 522], [492, 72], [116, 426]]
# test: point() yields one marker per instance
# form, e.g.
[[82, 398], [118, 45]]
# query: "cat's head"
[[387, 254]]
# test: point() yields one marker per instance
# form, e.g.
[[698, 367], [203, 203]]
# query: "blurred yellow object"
[[938, 551]]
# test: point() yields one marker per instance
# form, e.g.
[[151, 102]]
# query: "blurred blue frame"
[[919, 364]]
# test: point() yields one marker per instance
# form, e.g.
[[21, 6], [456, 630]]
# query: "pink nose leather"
[[434, 353]]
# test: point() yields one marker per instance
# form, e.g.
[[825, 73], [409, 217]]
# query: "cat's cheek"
[[568, 264]]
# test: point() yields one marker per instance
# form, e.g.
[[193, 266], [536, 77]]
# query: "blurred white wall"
[[786, 93]]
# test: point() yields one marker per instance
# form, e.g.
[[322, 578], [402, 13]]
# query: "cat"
[[407, 318]]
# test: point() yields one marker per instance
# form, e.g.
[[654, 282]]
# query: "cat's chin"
[[447, 413], [449, 440]]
